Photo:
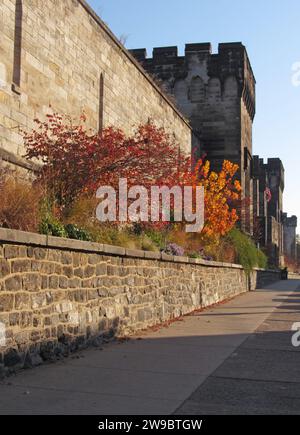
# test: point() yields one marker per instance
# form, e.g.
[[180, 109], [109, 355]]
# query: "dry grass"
[[19, 205]]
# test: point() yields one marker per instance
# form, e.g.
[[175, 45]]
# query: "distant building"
[[290, 238], [268, 188]]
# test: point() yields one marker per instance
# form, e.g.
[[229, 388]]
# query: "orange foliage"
[[222, 191]]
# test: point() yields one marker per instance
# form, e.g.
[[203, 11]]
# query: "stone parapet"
[[58, 295]]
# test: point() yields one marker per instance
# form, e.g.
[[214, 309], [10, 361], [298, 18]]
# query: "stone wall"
[[59, 53], [58, 295]]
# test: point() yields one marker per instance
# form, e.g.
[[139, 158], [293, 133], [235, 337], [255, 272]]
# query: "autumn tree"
[[222, 196], [76, 161]]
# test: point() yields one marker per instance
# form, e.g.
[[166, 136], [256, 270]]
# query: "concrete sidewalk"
[[234, 358]]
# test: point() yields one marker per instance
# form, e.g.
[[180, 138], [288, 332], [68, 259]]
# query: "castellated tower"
[[273, 216], [290, 239], [216, 92]]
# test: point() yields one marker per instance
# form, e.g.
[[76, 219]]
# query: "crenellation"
[[163, 54], [204, 47]]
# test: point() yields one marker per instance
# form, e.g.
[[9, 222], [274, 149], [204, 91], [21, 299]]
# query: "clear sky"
[[270, 29]]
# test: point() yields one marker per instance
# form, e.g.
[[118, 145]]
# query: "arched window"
[[197, 90], [101, 102], [16, 79]]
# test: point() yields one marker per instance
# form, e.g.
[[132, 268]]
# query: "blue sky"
[[271, 32]]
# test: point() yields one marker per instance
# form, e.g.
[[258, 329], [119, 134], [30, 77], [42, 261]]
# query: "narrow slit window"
[[17, 45], [101, 102]]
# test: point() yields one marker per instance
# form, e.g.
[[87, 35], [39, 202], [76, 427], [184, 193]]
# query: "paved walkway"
[[235, 358]]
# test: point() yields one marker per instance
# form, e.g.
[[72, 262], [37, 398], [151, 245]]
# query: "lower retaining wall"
[[58, 295]]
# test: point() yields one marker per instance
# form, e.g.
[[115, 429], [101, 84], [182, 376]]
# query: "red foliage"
[[76, 161]]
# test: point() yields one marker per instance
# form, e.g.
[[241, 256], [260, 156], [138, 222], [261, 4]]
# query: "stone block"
[[166, 257], [53, 282], [12, 358], [14, 319], [101, 269], [21, 266], [89, 271], [38, 300], [66, 258], [152, 255], [40, 253], [135, 253], [6, 302], [32, 282], [11, 251], [4, 268], [114, 250]]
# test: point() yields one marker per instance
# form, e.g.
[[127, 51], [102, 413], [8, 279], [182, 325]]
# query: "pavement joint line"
[[271, 349], [92, 393], [142, 371], [177, 345], [272, 381]]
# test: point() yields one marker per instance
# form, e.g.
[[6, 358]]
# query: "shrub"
[[262, 262], [50, 226], [76, 233], [246, 252], [147, 244], [195, 255], [158, 238], [174, 249], [220, 250], [19, 205], [82, 212], [77, 161]]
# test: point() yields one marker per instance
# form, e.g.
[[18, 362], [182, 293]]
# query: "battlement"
[[291, 221], [270, 175], [231, 60], [163, 53], [139, 53], [275, 164], [258, 167], [204, 47], [275, 168]]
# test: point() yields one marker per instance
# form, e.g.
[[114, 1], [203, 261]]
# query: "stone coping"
[[9, 157], [34, 239]]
